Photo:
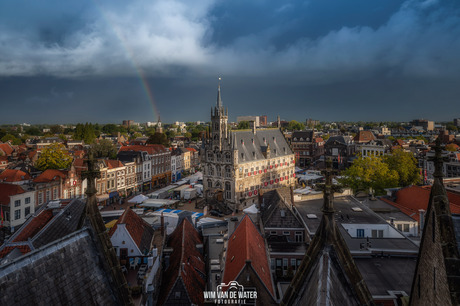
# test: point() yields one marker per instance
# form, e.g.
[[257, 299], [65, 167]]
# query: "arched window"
[[228, 172], [210, 156], [210, 170], [219, 156], [209, 184], [218, 170], [218, 185], [228, 158], [228, 190]]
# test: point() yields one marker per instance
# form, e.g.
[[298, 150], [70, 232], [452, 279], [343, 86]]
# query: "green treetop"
[[54, 156]]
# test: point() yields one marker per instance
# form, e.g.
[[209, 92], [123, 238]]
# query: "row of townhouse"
[[21, 194], [183, 159]]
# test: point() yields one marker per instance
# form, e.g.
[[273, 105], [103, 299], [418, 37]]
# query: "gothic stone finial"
[[91, 174], [328, 188], [438, 159]]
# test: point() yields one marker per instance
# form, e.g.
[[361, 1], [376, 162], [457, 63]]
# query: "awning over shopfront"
[[103, 197], [113, 194]]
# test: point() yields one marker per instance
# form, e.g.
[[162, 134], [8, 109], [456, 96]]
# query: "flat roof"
[[383, 274], [345, 214]]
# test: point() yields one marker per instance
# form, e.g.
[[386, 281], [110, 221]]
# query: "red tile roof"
[[364, 136], [6, 250], [7, 190], [31, 154], [49, 176], [152, 149], [11, 175], [186, 263], [136, 227], [191, 149], [34, 226], [245, 244], [5, 147], [413, 198], [112, 163]]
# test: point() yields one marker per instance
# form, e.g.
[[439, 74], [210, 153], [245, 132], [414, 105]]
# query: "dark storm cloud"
[[303, 54]]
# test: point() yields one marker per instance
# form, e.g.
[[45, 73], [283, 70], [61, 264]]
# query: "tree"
[[169, 134], [34, 131], [12, 138], [104, 148], [451, 147], [56, 129], [85, 132], [243, 125], [158, 138], [369, 174], [295, 126], [54, 156], [405, 164], [188, 135]]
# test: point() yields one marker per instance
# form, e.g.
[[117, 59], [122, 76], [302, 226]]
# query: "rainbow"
[[137, 68]]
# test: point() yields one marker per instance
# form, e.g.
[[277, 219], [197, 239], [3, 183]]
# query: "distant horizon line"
[[207, 121]]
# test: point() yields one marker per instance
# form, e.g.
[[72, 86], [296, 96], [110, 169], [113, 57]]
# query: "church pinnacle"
[[219, 99]]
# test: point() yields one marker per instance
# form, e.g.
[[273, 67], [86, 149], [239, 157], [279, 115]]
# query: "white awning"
[[138, 199], [251, 209]]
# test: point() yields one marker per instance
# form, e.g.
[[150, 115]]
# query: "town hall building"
[[242, 162]]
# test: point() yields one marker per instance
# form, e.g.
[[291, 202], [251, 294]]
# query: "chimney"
[[279, 122], [253, 127], [422, 219]]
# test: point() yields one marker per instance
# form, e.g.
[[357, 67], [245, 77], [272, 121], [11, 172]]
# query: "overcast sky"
[[331, 60]]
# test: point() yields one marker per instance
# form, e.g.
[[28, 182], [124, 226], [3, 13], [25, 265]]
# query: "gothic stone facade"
[[241, 162]]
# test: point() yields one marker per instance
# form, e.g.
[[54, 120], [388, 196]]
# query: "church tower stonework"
[[219, 118]]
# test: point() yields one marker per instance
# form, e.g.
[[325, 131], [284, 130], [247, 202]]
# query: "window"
[[273, 233], [399, 226], [27, 211], [293, 263], [228, 190], [406, 227], [55, 193], [17, 203], [27, 200], [17, 214], [40, 197], [123, 253], [209, 184], [228, 172], [228, 158], [360, 233], [298, 236], [48, 195], [377, 233]]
